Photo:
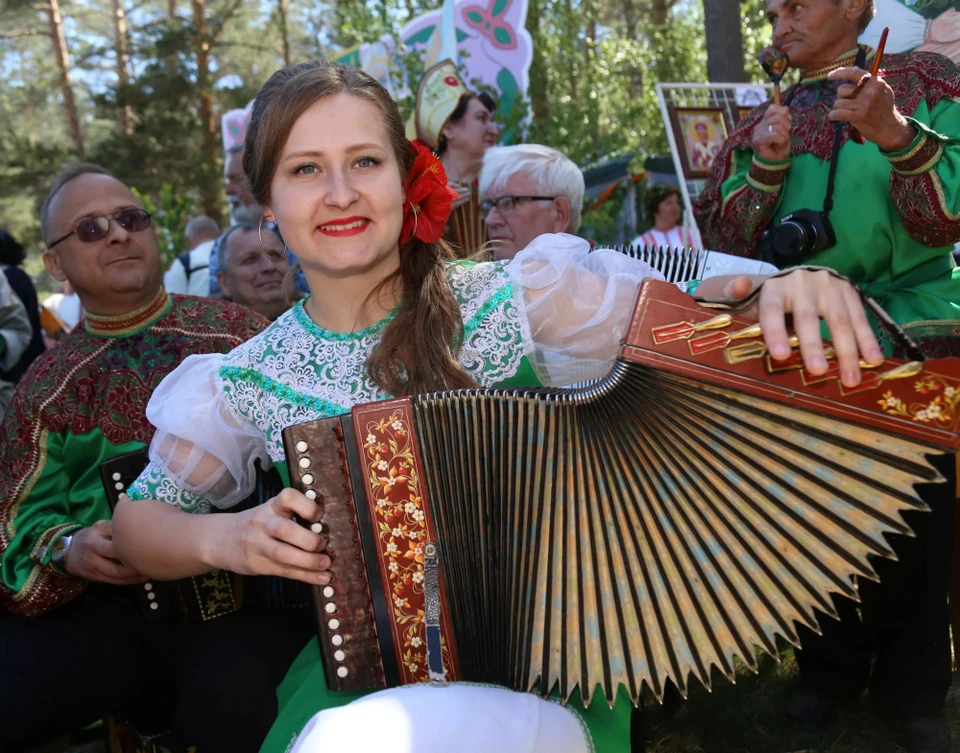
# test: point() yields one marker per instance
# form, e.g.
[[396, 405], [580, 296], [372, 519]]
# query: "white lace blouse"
[[554, 315]]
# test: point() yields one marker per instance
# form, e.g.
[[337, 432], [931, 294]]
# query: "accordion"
[[699, 501], [685, 264], [215, 594], [466, 229]]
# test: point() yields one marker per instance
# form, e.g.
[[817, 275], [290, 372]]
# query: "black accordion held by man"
[[694, 504]]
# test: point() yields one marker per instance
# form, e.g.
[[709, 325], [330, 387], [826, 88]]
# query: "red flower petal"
[[429, 199]]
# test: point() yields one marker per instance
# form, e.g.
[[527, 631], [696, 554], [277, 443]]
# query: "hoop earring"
[[260, 238], [416, 218]]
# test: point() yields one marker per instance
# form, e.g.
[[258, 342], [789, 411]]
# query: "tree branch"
[[20, 33], [222, 21], [247, 46]]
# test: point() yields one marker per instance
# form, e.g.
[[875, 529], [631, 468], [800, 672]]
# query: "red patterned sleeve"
[[34, 503], [739, 200], [925, 179]]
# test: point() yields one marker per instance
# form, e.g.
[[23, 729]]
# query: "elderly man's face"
[[121, 266], [514, 230], [250, 277], [809, 31]]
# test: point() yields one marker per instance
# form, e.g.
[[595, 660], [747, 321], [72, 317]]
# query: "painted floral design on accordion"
[[401, 526], [942, 408]]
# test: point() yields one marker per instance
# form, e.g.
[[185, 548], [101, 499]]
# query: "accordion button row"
[[328, 592]]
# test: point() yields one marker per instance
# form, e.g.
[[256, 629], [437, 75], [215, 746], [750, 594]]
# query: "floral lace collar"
[[304, 320], [132, 322]]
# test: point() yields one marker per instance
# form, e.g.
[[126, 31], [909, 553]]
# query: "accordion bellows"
[[695, 504]]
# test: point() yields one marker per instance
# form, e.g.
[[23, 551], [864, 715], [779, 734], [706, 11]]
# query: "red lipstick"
[[344, 227]]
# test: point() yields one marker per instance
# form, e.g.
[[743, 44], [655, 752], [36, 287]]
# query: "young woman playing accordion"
[[391, 314]]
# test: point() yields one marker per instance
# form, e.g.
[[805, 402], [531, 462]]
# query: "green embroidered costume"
[[80, 404], [554, 315], [896, 215]]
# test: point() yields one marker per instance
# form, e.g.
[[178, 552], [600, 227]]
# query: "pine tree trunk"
[[724, 41], [658, 12], [66, 85], [123, 71], [209, 179], [590, 58], [570, 24], [538, 66], [284, 36]]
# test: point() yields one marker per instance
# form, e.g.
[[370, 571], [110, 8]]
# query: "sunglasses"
[[94, 229]]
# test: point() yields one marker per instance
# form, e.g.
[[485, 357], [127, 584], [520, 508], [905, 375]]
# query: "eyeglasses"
[[506, 204], [93, 229]]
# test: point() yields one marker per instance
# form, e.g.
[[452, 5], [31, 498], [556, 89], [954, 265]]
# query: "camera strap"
[[861, 60]]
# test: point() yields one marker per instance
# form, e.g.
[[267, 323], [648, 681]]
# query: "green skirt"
[[303, 693]]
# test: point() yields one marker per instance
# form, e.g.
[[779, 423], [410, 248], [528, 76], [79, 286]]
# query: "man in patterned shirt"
[[76, 644]]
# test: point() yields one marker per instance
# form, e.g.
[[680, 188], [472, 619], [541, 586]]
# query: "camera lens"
[[793, 238]]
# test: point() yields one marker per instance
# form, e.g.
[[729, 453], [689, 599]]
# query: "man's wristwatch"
[[61, 547]]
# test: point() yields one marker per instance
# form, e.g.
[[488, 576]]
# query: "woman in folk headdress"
[[392, 314], [459, 128]]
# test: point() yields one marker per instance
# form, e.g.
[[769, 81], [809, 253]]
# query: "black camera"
[[796, 237]]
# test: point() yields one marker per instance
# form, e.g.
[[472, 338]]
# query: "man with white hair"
[[528, 190], [190, 272]]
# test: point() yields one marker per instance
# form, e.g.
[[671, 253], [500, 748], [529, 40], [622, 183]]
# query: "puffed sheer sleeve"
[[203, 453], [576, 305]]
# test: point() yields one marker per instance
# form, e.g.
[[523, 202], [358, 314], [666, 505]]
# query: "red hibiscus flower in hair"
[[429, 199]]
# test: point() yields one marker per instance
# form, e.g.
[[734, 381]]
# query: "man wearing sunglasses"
[[528, 190], [75, 644]]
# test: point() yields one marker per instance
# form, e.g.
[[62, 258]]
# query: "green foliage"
[[170, 216], [598, 63]]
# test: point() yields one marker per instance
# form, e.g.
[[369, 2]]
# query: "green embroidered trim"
[[303, 318], [503, 295], [318, 404], [762, 187], [780, 164]]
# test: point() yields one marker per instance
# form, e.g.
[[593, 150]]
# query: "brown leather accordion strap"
[[899, 338]]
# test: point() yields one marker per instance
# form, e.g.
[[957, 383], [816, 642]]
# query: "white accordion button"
[[151, 595], [307, 479], [310, 494], [116, 476], [342, 671], [154, 605], [334, 624], [148, 586], [337, 640], [301, 446], [317, 527], [328, 592], [304, 462], [330, 607], [339, 655], [118, 486]]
